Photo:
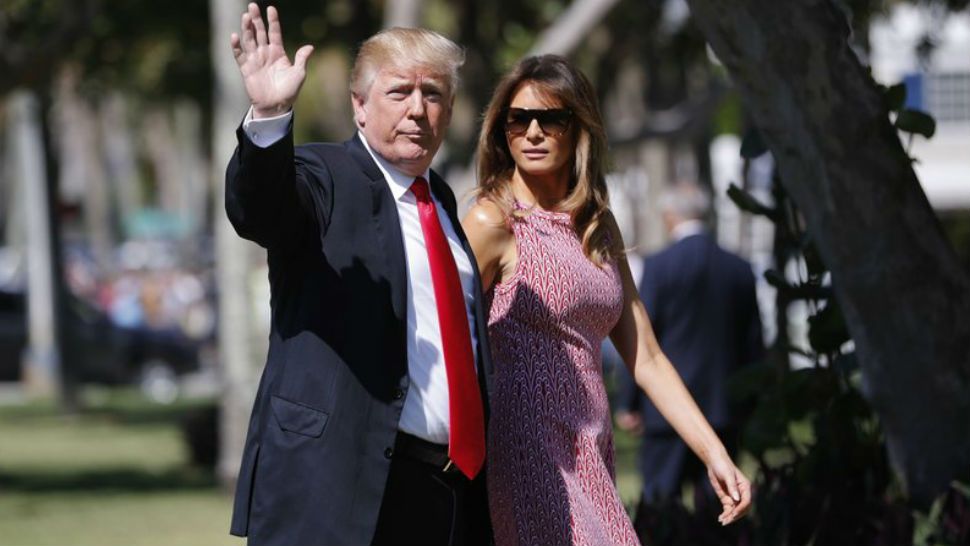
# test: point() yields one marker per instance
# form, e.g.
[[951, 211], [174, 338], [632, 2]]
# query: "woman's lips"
[[535, 153]]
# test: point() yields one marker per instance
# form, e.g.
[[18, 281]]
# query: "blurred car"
[[100, 350]]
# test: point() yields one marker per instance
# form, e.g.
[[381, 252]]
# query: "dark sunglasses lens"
[[517, 122], [553, 122]]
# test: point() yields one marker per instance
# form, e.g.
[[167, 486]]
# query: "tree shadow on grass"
[[111, 480], [125, 412]]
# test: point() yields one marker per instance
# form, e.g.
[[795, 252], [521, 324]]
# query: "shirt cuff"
[[265, 132]]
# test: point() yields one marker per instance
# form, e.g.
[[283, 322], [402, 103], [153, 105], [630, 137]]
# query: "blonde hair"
[[587, 201], [405, 47]]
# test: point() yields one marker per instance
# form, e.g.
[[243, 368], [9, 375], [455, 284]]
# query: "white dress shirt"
[[686, 229], [425, 412]]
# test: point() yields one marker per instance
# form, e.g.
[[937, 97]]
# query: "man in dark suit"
[[368, 424], [701, 302]]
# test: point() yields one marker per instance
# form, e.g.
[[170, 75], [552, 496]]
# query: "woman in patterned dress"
[[553, 269]]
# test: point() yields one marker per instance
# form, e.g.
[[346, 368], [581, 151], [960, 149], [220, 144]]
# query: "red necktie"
[[466, 439]]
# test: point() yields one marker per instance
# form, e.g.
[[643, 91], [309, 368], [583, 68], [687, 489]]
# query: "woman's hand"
[[271, 81], [731, 487]]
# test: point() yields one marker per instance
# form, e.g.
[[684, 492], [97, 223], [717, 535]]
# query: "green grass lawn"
[[118, 474], [627, 477]]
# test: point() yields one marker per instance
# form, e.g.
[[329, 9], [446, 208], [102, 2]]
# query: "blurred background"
[[134, 322]]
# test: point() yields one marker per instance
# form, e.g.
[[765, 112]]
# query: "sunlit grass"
[[117, 474]]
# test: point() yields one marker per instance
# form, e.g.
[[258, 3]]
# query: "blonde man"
[[368, 425]]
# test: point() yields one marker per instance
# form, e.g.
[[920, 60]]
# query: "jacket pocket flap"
[[295, 417]]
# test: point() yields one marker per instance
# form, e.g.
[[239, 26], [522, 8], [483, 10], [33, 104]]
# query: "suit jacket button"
[[398, 394], [388, 453]]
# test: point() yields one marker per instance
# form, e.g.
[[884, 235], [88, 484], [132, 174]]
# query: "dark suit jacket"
[[702, 305], [326, 412]]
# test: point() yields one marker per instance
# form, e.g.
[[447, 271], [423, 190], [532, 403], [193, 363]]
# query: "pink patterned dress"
[[551, 480]]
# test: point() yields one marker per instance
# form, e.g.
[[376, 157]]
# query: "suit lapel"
[[388, 225]]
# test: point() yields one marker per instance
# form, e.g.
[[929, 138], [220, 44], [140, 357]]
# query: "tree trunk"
[[239, 371], [46, 369], [162, 152], [905, 296], [192, 168], [572, 27], [82, 176], [41, 363], [403, 13], [120, 156]]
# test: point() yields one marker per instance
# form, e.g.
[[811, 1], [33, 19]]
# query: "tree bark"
[[238, 365], [572, 27], [161, 149], [192, 167], [120, 156], [82, 175], [403, 13], [41, 363], [904, 294]]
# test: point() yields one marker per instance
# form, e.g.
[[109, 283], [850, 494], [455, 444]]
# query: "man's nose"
[[416, 108]]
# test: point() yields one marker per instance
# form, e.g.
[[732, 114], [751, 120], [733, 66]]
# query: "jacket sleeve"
[[277, 197]]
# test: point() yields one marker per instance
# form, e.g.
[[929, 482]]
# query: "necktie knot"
[[421, 190]]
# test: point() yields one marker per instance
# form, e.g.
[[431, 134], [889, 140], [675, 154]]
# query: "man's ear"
[[360, 111]]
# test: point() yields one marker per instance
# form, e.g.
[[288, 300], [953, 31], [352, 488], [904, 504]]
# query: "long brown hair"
[[587, 200]]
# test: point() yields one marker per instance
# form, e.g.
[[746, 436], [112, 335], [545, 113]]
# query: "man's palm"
[[271, 80]]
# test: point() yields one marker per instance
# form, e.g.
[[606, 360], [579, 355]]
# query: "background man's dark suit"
[[701, 302], [326, 414]]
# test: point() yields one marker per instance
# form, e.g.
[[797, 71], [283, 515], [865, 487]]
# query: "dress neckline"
[[541, 212]]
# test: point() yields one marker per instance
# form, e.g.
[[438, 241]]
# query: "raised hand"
[[272, 81]]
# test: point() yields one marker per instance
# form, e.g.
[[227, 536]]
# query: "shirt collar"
[[685, 229], [399, 182]]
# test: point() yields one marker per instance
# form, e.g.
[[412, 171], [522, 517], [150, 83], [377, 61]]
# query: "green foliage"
[[748, 203], [824, 476], [916, 122], [728, 116], [827, 330], [895, 96], [752, 145], [948, 521]]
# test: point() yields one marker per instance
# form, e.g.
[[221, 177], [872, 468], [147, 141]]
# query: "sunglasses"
[[553, 122]]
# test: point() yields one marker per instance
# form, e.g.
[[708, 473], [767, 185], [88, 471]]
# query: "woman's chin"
[[534, 170]]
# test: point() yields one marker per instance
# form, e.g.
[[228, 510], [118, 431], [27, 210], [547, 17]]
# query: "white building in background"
[[937, 82]]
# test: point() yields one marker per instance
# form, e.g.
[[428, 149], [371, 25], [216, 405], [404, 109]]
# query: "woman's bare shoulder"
[[487, 218]]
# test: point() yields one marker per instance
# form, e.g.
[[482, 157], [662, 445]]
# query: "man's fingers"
[[275, 33], [302, 54], [237, 51], [248, 39], [258, 25]]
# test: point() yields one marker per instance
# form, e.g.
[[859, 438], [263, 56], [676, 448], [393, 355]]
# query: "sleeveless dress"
[[550, 475]]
